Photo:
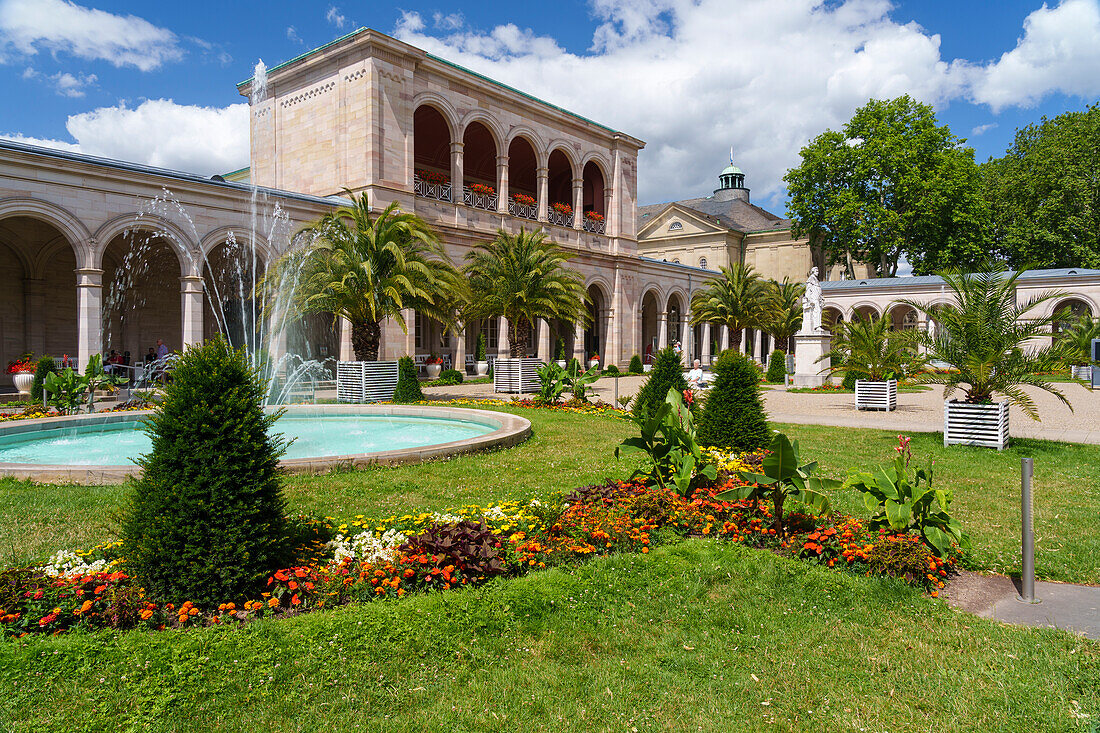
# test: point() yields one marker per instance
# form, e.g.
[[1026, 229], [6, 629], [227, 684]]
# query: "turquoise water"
[[318, 436]]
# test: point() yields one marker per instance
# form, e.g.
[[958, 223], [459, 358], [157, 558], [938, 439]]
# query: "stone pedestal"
[[809, 347]]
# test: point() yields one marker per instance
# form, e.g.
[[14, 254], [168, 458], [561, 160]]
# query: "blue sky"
[[154, 82]]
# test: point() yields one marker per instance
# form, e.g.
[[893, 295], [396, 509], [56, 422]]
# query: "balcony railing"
[[562, 220], [487, 201], [596, 226], [524, 211], [428, 190]]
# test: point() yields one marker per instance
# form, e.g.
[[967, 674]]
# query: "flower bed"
[[366, 559]]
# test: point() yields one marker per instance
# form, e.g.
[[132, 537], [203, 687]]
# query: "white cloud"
[[159, 132], [64, 83], [292, 35], [982, 129], [692, 77], [58, 26], [41, 142], [448, 22], [1059, 52], [335, 17]]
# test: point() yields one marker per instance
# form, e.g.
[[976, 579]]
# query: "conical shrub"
[[408, 382], [667, 372], [733, 416], [206, 521], [636, 364], [777, 367]]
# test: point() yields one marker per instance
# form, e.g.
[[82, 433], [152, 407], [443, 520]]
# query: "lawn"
[[569, 450], [696, 636]]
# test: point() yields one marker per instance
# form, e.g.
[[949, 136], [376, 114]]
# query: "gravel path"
[[916, 412]]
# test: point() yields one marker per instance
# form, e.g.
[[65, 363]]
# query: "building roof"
[[161, 172], [731, 168], [935, 280], [734, 213]]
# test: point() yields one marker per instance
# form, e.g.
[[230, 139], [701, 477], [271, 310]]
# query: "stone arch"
[[186, 250], [867, 310], [831, 315], [532, 137], [561, 170], [594, 184], [480, 150], [595, 331], [217, 237], [74, 230], [649, 310], [489, 122], [441, 105], [903, 317], [1078, 304], [524, 160], [434, 132]]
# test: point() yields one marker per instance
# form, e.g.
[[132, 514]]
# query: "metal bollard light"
[[1027, 544]]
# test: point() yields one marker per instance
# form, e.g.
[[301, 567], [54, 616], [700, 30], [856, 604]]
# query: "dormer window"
[[703, 262], [675, 226]]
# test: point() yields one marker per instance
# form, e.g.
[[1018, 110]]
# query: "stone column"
[[503, 339], [502, 178], [607, 213], [578, 203], [544, 341], [578, 342], [34, 311], [706, 345], [542, 175], [459, 354], [346, 352], [410, 332], [686, 332], [89, 316], [662, 330], [724, 340], [456, 172], [192, 296], [809, 347]]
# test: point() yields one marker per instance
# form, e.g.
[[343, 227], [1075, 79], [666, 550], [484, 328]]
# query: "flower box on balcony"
[[482, 190], [523, 199], [563, 209], [433, 176], [593, 216]]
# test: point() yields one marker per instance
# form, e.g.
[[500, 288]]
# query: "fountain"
[[255, 316]]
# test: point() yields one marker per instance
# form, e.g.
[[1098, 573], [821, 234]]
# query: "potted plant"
[[561, 354], [593, 216], [1074, 343], [985, 338], [565, 210], [479, 356], [871, 349], [594, 362], [523, 199], [22, 373], [434, 365], [482, 190]]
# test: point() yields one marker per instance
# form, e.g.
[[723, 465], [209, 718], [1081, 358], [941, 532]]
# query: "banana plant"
[[668, 437], [578, 381], [902, 503], [783, 479], [552, 384]]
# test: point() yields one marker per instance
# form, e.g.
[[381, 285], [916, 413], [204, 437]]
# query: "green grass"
[[696, 636], [569, 450]]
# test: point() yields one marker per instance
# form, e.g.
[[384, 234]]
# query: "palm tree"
[[785, 318], [523, 277], [738, 299], [984, 337], [1074, 343], [871, 347], [365, 269]]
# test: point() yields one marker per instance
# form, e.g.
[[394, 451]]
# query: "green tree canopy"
[[366, 268], [785, 318], [891, 183], [523, 277], [739, 298], [1045, 193]]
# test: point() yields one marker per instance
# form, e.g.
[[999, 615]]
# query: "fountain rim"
[[510, 430]]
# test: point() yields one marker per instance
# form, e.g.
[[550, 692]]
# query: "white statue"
[[812, 304]]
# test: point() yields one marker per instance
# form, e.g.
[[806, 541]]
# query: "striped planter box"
[[516, 375], [984, 425], [876, 395], [365, 381], [1084, 373]]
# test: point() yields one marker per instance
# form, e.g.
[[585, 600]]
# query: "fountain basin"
[[98, 449]]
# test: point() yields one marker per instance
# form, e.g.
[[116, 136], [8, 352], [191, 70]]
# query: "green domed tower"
[[733, 184]]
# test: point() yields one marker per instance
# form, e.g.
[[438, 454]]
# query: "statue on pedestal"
[[812, 304]]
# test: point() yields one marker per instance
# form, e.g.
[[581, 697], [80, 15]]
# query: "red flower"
[[689, 397]]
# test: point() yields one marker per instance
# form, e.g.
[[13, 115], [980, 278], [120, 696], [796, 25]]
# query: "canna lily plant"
[[783, 479]]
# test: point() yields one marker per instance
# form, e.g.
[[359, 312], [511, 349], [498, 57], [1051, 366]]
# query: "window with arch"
[[703, 262], [677, 260], [675, 226]]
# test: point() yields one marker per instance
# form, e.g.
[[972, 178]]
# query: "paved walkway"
[[916, 412], [1062, 605]]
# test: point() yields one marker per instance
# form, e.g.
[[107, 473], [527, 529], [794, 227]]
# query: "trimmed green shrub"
[[206, 521], [450, 376], [777, 367], [667, 372], [635, 364], [408, 383], [479, 351], [611, 369], [574, 366], [560, 350], [46, 366], [733, 416]]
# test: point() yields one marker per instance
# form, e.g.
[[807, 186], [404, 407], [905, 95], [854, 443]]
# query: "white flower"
[[366, 547], [67, 564]]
